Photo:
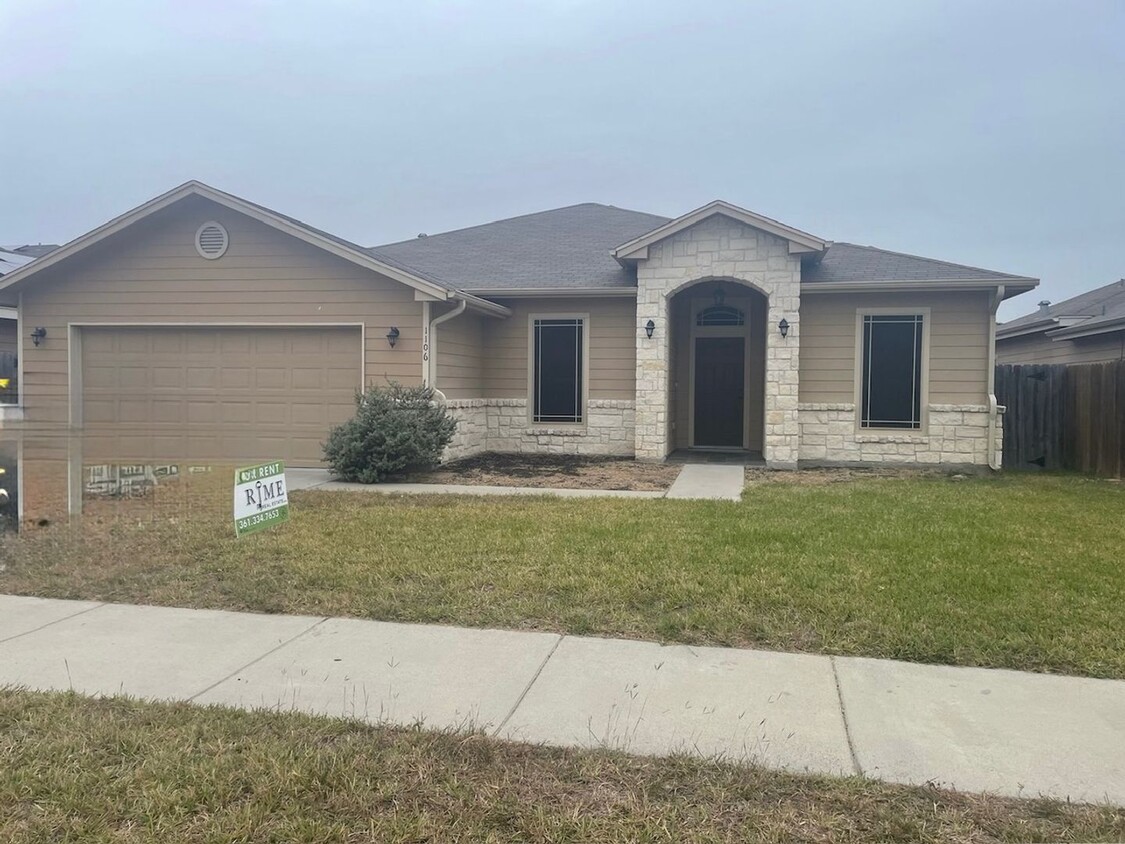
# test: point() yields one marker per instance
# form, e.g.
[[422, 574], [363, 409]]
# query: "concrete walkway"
[[709, 480], [696, 480], [971, 729]]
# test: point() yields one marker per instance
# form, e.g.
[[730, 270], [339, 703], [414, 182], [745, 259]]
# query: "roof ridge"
[[516, 217], [925, 258]]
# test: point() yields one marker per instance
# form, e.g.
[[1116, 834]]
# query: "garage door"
[[216, 394]]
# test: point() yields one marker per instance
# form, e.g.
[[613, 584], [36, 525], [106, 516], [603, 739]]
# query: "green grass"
[[113, 770], [1024, 572]]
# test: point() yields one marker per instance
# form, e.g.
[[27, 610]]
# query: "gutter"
[[462, 305], [994, 456]]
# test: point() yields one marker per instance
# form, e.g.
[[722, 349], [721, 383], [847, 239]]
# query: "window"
[[720, 315], [892, 371], [557, 377]]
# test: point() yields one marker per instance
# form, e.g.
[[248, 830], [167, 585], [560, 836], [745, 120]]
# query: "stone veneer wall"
[[503, 425], [955, 434], [719, 248]]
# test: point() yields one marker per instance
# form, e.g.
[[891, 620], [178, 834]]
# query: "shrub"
[[395, 430]]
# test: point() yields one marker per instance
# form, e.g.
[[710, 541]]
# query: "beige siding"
[[958, 331], [460, 355], [152, 273], [1038, 348], [612, 340], [8, 336]]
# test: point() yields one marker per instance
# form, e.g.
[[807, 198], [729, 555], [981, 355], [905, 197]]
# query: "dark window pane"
[[558, 370], [892, 372], [719, 315]]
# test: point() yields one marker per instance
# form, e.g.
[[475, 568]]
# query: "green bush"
[[395, 430]]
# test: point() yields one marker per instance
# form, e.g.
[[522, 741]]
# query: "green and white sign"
[[261, 498]]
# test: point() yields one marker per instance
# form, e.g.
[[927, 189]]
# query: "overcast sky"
[[987, 133]]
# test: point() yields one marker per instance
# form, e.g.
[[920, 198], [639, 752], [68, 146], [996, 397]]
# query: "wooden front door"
[[720, 387]]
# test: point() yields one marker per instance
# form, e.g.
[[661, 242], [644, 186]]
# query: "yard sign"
[[261, 499]]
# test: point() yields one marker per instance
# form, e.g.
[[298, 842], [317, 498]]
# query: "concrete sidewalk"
[[971, 729]]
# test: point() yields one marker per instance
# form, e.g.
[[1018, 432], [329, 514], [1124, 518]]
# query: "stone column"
[[651, 431], [783, 429]]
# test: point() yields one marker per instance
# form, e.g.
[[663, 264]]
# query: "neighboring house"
[[12, 259], [1090, 328], [203, 327]]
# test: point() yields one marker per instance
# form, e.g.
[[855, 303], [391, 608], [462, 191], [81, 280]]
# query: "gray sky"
[[988, 133]]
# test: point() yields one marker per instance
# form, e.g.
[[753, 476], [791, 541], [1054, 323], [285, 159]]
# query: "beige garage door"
[[232, 395]]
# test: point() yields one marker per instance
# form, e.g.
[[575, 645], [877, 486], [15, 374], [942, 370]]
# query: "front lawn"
[[1024, 572], [79, 769]]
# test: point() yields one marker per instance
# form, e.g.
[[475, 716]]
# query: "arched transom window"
[[720, 315]]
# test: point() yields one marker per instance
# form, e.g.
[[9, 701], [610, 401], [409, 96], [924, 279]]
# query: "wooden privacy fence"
[[1064, 416]]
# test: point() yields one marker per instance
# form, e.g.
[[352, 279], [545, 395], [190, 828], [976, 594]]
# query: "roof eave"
[[1012, 286], [483, 306], [556, 292], [1086, 330]]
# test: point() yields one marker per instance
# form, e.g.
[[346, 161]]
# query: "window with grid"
[[557, 381], [892, 371]]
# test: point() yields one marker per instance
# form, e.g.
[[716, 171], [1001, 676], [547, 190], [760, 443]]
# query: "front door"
[[720, 385]]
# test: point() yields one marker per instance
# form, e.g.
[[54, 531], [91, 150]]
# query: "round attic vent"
[[211, 240]]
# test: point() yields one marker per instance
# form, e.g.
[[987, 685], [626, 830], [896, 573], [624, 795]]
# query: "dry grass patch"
[[115, 770], [544, 471]]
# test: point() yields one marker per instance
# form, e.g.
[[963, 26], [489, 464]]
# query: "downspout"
[[994, 457], [462, 304]]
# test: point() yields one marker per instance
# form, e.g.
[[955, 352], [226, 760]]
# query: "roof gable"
[[799, 242], [430, 287]]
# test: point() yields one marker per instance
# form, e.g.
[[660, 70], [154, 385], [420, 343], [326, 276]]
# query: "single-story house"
[[204, 327], [1089, 328]]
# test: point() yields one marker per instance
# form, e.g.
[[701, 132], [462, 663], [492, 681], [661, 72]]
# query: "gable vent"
[[211, 240]]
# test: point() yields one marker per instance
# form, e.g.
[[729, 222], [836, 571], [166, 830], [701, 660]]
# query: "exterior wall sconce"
[[38, 335], [650, 327], [783, 327], [392, 336], [720, 296]]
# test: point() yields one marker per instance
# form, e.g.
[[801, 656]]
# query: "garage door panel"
[[129, 342], [134, 378], [235, 378], [235, 413], [196, 342], [341, 378], [205, 377], [216, 394], [167, 411], [270, 379], [165, 377]]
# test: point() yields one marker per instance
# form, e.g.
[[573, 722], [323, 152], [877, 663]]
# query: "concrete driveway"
[[973, 729]]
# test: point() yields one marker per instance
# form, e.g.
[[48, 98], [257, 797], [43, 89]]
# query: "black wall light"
[[650, 327], [38, 335], [783, 327], [392, 336]]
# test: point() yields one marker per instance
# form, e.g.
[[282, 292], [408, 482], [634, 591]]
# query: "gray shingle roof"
[[566, 247], [1098, 306], [850, 262], [570, 248]]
